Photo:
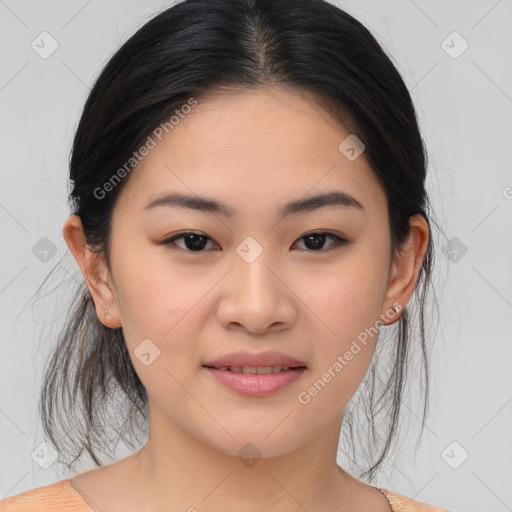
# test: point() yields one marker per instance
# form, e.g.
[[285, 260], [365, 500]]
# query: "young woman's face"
[[251, 281]]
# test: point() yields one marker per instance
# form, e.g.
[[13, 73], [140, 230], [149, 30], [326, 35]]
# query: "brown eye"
[[196, 242], [193, 242], [315, 241]]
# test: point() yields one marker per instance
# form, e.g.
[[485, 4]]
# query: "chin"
[[251, 445]]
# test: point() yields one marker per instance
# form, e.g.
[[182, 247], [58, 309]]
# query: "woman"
[[248, 212]]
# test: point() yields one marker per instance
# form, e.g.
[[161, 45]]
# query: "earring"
[[106, 314], [397, 308]]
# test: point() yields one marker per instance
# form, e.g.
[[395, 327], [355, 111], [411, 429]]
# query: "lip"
[[268, 358], [256, 385]]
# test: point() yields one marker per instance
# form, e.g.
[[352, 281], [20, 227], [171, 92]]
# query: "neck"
[[173, 468]]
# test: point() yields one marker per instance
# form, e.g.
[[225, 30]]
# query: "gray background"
[[464, 104]]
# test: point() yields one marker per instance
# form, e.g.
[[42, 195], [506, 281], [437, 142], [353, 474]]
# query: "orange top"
[[62, 497]]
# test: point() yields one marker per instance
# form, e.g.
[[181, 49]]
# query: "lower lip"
[[251, 384]]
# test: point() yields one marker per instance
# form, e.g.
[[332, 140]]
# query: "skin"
[[196, 306]]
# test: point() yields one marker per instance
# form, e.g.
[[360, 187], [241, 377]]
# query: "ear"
[[95, 272], [405, 269]]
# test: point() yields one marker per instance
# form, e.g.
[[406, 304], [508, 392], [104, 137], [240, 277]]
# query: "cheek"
[[349, 297], [347, 306], [154, 299], [341, 358], [159, 310]]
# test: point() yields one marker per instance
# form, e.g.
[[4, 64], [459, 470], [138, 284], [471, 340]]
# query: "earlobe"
[[406, 267], [392, 314], [93, 268]]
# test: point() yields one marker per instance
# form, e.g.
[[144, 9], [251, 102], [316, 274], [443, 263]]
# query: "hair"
[[190, 50]]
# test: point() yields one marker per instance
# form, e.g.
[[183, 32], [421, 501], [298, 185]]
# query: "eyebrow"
[[208, 205]]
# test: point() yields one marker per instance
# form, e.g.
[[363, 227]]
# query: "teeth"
[[264, 370], [260, 370]]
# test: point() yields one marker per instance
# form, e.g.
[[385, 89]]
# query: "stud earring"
[[397, 308], [106, 314]]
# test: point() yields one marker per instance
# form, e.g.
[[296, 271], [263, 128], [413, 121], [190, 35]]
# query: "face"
[[309, 283]]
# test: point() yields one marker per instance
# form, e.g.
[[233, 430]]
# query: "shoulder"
[[55, 497], [401, 503]]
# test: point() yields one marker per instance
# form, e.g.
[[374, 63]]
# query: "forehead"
[[252, 147]]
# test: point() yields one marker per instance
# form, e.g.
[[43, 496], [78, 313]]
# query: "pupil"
[[189, 241], [314, 237]]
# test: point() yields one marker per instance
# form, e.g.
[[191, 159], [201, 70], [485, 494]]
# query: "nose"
[[256, 297]]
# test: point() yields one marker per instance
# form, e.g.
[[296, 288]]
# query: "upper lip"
[[268, 358]]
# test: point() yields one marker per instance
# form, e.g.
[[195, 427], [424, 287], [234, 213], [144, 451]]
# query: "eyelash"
[[338, 241]]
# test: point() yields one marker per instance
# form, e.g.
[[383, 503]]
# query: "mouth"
[[255, 363], [256, 370], [255, 374], [256, 381]]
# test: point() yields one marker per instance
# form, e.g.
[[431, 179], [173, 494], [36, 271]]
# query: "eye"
[[196, 242], [316, 240]]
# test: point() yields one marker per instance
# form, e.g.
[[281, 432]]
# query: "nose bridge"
[[253, 260], [254, 297]]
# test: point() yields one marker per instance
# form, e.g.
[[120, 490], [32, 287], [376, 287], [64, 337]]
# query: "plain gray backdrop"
[[455, 58]]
